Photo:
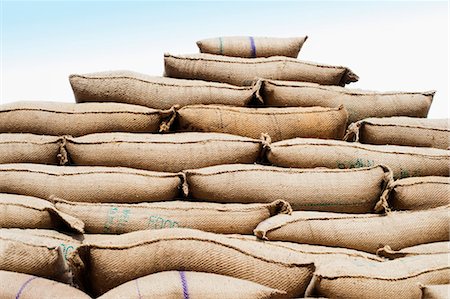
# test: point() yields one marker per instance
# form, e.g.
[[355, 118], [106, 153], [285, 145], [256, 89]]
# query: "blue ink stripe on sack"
[[24, 285], [252, 45], [184, 283]]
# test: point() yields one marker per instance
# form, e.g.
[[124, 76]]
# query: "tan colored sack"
[[393, 279], [19, 211], [24, 286], [29, 148], [344, 190], [184, 284], [360, 104], [105, 265], [53, 118], [251, 47], [212, 217], [422, 249], [155, 92], [410, 131], [440, 291], [167, 152], [405, 161], [244, 71], [25, 252], [366, 232], [88, 184], [279, 123], [420, 193]]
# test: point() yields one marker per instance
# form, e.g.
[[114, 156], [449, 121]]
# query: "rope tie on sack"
[[63, 156], [184, 184], [352, 133], [265, 145], [383, 204], [171, 114]]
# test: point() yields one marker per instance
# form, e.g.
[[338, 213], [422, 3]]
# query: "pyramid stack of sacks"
[[243, 173]]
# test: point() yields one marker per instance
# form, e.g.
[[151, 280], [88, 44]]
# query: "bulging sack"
[[212, 217], [344, 190], [19, 211], [438, 291], [52, 118], [166, 152], [106, 265], [30, 148], [186, 284], [408, 131], [419, 193], [88, 184], [405, 161], [251, 47], [360, 104], [244, 71], [278, 123], [25, 286], [400, 278], [155, 92], [422, 249], [366, 232]]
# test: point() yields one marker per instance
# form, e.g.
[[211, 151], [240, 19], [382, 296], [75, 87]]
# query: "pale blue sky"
[[390, 45]]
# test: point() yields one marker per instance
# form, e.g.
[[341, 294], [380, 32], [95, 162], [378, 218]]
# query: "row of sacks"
[[360, 190], [163, 93], [101, 265]]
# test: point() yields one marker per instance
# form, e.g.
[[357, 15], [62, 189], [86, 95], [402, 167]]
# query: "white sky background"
[[401, 46]]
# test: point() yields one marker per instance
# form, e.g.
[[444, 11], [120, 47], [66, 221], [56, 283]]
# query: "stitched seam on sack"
[[259, 62], [30, 244], [365, 123], [237, 110], [30, 142], [72, 140], [110, 247], [90, 172], [80, 112], [24, 206], [165, 84], [401, 184]]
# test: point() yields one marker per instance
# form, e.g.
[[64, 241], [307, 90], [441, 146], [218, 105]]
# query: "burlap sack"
[[29, 148], [366, 232], [244, 71], [439, 291], [422, 249], [409, 131], [25, 251], [338, 190], [212, 217], [184, 284], [105, 265], [420, 193], [52, 118], [279, 123], [399, 278], [19, 211], [405, 161], [251, 47], [360, 104], [166, 152], [88, 184], [24, 286], [155, 92]]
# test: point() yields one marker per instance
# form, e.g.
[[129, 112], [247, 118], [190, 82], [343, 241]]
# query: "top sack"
[[252, 47]]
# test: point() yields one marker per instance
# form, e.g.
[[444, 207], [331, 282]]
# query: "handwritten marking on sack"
[[66, 250], [156, 222], [358, 163], [116, 218]]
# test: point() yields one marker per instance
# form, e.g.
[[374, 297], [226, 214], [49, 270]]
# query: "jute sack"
[[162, 152], [155, 92], [29, 148], [244, 71], [422, 249], [399, 278], [420, 193], [366, 232], [212, 217], [88, 184], [360, 104], [409, 131], [25, 286], [26, 252], [278, 123], [338, 190], [251, 47], [19, 211], [185, 284], [52, 118], [439, 291], [106, 265], [405, 161]]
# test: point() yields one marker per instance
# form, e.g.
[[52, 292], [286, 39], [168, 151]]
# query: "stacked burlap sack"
[[243, 173]]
